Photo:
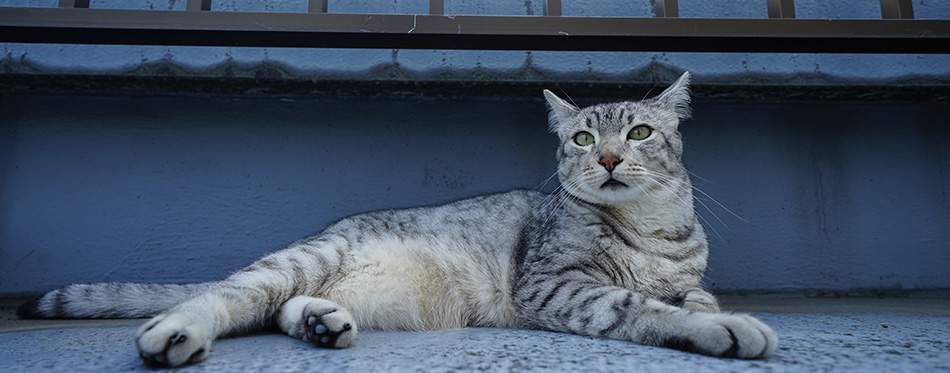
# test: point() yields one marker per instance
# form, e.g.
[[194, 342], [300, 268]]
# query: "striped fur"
[[617, 251]]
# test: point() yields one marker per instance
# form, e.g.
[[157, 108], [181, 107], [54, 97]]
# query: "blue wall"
[[834, 196], [184, 189], [838, 196]]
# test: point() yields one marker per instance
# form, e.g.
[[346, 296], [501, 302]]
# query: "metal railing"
[[74, 23]]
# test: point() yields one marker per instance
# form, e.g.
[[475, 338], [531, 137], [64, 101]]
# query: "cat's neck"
[[653, 219], [656, 215]]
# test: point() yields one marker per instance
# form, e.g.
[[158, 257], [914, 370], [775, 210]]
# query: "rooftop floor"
[[906, 334]]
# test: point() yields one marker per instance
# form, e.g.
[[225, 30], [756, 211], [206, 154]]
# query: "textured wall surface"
[[110, 185], [183, 189], [833, 196]]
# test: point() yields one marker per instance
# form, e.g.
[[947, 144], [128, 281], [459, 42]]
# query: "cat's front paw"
[[727, 335], [173, 339], [697, 299]]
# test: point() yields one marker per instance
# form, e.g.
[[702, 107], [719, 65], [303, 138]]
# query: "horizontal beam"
[[768, 88], [402, 31]]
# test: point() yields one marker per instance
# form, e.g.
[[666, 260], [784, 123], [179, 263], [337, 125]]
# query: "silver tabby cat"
[[617, 252]]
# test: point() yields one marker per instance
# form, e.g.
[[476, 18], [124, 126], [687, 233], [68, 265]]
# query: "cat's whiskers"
[[561, 196], [565, 194], [557, 199], [709, 225], [698, 177], [673, 181], [676, 190], [683, 185], [705, 221], [673, 186], [648, 92], [554, 196], [719, 204], [546, 181], [662, 180], [706, 195]]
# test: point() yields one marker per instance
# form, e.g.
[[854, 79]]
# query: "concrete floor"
[[899, 335]]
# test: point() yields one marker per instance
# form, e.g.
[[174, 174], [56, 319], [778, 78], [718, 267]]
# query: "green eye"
[[639, 132], [583, 138]]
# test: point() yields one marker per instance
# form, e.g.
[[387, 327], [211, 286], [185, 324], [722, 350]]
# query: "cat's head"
[[612, 154]]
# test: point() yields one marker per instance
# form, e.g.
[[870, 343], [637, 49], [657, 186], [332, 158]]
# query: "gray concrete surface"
[[817, 335]]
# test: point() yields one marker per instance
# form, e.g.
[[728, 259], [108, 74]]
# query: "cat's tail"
[[110, 300]]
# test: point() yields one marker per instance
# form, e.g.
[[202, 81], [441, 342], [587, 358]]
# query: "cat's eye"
[[639, 132], [583, 138]]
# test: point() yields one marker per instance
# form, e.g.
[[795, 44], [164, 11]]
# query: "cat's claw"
[[173, 340]]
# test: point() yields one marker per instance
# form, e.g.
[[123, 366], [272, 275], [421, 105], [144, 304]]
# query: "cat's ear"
[[561, 110], [677, 97]]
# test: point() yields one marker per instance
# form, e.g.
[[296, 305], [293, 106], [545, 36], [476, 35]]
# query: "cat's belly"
[[423, 285]]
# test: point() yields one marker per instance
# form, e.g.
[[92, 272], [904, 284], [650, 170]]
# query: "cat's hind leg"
[[174, 339], [318, 321], [246, 300]]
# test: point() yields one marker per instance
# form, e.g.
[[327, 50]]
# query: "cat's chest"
[[640, 265]]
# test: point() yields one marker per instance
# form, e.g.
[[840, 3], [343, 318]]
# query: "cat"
[[617, 251]]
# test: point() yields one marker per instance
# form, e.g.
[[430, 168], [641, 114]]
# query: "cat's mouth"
[[613, 184]]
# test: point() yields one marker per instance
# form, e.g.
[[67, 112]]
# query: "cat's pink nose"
[[609, 163]]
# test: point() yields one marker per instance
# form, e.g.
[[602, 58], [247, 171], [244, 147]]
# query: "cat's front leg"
[[697, 299], [578, 304], [318, 321]]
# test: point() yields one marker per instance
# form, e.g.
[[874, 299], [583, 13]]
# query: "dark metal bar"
[[552, 8], [317, 6], [666, 8], [781, 8], [436, 7], [198, 5], [897, 9], [73, 3], [388, 31]]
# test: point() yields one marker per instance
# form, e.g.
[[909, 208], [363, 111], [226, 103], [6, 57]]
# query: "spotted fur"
[[617, 251]]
